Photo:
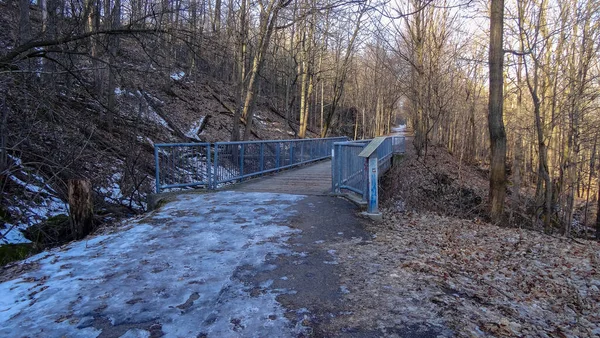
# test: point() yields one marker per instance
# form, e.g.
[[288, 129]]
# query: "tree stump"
[[81, 207]]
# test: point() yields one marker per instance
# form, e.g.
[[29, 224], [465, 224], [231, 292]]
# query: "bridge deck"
[[313, 179]]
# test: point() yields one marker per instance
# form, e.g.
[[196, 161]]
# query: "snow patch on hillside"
[[43, 203], [193, 132], [177, 75]]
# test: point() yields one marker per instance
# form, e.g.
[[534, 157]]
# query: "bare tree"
[[495, 122]]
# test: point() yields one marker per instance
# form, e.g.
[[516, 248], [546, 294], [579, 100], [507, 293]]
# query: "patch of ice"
[[119, 91], [25, 213], [27, 186], [145, 139], [136, 333], [177, 267]]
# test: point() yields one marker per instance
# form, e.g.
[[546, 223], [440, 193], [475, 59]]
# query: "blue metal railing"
[[179, 165], [349, 171], [399, 144], [235, 161], [202, 164], [347, 168]]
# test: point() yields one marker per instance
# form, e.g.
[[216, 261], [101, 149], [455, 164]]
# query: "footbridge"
[[320, 166]]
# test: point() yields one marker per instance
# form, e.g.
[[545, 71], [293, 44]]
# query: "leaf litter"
[[472, 278], [437, 267]]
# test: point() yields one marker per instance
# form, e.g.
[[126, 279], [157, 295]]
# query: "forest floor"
[[434, 262]]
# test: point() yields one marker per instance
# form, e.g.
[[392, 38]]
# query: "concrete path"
[[224, 264]]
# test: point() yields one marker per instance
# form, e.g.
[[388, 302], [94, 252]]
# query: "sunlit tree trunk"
[[495, 113], [269, 16]]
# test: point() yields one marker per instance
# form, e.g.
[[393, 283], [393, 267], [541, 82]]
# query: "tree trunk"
[[81, 207], [496, 124], [269, 17], [24, 23], [112, 75], [598, 214], [217, 17], [340, 76], [3, 137], [241, 80]]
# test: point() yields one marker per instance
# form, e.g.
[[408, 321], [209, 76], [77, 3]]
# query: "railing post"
[[208, 168], [216, 166], [334, 176], [292, 153], [277, 154], [340, 158], [157, 169], [365, 194], [241, 162], [262, 156], [373, 202]]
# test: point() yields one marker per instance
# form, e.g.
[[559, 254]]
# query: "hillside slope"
[[58, 124]]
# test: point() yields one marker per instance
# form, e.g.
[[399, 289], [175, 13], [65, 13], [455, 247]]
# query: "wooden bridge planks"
[[313, 179]]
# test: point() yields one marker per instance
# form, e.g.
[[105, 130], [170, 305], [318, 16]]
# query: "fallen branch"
[[151, 101]]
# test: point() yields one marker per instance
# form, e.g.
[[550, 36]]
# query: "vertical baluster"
[[262, 157], [241, 161], [278, 155], [157, 169]]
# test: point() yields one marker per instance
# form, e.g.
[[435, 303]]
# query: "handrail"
[[235, 161], [356, 165], [182, 164], [179, 165]]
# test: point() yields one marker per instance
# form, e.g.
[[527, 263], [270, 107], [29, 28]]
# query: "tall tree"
[[495, 113]]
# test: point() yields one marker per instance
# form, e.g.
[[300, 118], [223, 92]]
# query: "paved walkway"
[[223, 264]]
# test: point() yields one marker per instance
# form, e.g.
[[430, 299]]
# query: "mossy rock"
[[16, 252], [54, 231]]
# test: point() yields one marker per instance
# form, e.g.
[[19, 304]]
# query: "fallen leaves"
[[474, 278]]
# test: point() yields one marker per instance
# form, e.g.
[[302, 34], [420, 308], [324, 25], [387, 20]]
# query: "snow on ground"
[[177, 75], [26, 215], [153, 116], [399, 128], [23, 215], [112, 193], [174, 268], [193, 132]]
